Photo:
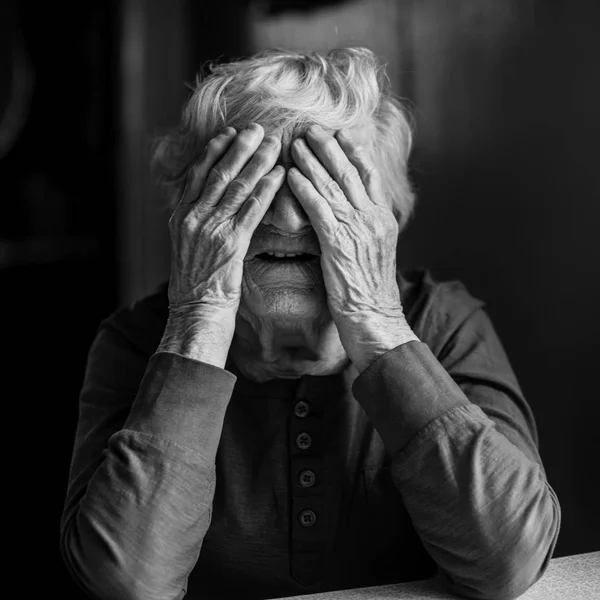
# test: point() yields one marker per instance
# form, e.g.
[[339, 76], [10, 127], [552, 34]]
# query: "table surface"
[[567, 578]]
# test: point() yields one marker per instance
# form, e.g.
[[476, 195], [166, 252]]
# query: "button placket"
[[308, 520]]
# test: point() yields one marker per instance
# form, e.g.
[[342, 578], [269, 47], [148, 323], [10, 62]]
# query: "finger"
[[178, 214], [228, 168], [260, 164], [213, 152], [256, 205], [337, 164], [319, 211], [359, 157], [319, 178]]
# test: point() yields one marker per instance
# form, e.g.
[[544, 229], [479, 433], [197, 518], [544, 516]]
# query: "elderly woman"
[[290, 413]]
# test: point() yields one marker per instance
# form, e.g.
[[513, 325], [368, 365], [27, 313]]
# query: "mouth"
[[282, 258], [283, 270], [281, 266]]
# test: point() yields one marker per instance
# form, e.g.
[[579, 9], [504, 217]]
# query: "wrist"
[[367, 338], [199, 333]]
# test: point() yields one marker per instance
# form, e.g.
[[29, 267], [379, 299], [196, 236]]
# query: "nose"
[[286, 213]]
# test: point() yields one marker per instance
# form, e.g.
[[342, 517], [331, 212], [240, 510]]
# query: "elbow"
[[513, 565], [525, 559], [104, 573], [514, 575], [93, 571], [508, 581]]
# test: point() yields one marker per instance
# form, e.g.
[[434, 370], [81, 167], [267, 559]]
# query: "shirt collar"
[[309, 387]]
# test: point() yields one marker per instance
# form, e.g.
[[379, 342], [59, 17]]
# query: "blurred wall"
[[58, 264], [155, 65], [381, 25]]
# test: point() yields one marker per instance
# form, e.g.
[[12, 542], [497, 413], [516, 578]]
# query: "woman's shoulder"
[[142, 322], [435, 307]]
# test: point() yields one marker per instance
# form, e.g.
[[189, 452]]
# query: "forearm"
[[483, 509], [135, 530]]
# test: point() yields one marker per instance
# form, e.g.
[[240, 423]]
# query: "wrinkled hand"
[[342, 194], [229, 191]]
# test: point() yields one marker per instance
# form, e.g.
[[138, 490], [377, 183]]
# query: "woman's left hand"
[[341, 192]]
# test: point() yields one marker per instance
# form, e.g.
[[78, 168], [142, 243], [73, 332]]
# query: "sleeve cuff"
[[184, 401], [404, 390]]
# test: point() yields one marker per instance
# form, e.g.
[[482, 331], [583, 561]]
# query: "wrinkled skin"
[[343, 196], [211, 227], [291, 317], [349, 304]]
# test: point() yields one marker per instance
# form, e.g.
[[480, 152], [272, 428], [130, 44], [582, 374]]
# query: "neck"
[[270, 348]]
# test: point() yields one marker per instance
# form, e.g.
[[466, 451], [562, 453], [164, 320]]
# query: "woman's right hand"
[[227, 194]]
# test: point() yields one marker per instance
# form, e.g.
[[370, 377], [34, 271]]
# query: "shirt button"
[[301, 409], [303, 441], [306, 478], [307, 518]]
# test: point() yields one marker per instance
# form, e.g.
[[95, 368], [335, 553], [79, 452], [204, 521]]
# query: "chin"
[[286, 331], [286, 302]]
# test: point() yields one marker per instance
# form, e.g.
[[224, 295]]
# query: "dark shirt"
[[186, 476]]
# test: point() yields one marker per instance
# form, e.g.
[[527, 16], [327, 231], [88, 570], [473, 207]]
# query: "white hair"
[[281, 89]]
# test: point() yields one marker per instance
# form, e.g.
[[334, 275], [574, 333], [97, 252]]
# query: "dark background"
[[506, 99]]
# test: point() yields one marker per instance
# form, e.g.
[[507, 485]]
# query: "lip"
[[256, 253], [280, 261], [284, 273]]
